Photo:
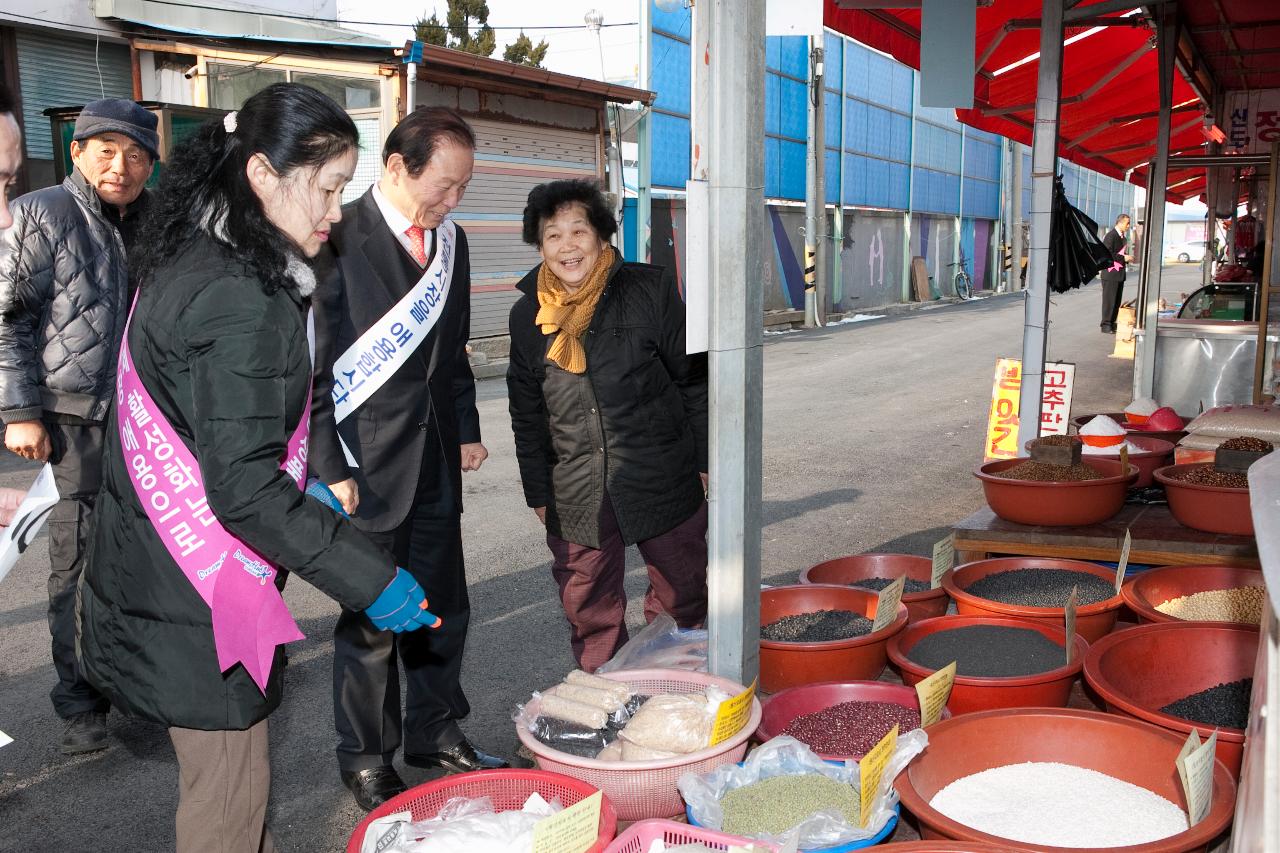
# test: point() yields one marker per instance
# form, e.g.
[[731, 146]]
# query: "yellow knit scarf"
[[567, 315]]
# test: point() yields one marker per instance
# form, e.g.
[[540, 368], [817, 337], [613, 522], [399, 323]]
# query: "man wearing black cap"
[[64, 300]]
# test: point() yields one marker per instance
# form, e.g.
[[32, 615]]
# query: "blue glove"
[[402, 606], [318, 490]]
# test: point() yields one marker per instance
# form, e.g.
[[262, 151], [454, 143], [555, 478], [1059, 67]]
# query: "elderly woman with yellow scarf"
[[610, 421]]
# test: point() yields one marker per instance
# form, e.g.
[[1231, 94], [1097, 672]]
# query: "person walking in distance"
[[64, 297], [1113, 276], [395, 425]]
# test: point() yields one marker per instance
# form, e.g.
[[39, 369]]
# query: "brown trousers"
[[223, 782], [591, 583]]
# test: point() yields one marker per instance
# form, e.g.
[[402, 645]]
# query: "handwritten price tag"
[[573, 830], [732, 715], [933, 693], [1195, 768], [1123, 565], [871, 770], [944, 559], [887, 604]]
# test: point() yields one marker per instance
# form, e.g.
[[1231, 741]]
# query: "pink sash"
[[249, 617]]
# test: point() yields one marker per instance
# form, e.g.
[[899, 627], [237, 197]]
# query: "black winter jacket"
[[634, 425], [63, 303], [228, 365], [1115, 243]]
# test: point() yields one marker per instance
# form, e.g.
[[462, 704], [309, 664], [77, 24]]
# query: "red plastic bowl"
[[847, 571], [1153, 453], [1054, 504], [784, 706], [1126, 749], [863, 658], [971, 693], [1144, 591], [1170, 435], [508, 788], [943, 846], [1213, 509], [1092, 620], [1140, 670]]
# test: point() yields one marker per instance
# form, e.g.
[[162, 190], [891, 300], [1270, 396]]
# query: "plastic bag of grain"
[[786, 756], [1261, 421]]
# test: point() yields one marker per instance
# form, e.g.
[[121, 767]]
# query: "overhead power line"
[[313, 19]]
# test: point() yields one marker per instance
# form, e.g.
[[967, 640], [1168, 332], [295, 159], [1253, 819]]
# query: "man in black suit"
[[393, 314], [1113, 277]]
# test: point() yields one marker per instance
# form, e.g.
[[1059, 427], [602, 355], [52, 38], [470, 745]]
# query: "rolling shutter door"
[[511, 159], [61, 71]]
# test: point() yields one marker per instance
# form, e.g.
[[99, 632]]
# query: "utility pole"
[[815, 206], [594, 20], [1044, 166], [729, 79]]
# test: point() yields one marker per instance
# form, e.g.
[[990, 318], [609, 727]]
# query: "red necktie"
[[417, 244]]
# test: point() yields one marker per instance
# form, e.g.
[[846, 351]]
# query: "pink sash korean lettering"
[[249, 617]]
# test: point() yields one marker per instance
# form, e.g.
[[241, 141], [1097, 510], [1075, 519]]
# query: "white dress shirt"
[[399, 224]]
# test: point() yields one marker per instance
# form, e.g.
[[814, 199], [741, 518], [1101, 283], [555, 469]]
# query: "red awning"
[[1110, 90]]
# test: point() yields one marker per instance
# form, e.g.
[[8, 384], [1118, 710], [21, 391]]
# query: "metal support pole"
[[1015, 241], [644, 141], [1044, 166], [736, 211], [956, 248], [821, 237], [1144, 368], [813, 200], [908, 292]]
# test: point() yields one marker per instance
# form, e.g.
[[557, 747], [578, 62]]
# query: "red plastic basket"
[[638, 838], [508, 788]]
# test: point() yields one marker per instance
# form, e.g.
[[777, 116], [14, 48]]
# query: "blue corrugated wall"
[[872, 117]]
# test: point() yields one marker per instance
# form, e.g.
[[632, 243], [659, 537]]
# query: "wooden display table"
[[1158, 540]]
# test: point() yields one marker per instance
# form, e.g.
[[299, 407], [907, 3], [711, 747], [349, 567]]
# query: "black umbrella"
[[1076, 254]]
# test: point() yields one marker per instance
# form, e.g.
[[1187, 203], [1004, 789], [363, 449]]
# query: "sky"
[[573, 51]]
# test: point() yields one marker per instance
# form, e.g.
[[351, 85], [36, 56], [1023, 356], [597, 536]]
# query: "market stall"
[[874, 722]]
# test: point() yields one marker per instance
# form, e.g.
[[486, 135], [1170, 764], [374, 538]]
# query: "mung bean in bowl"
[[1055, 503]]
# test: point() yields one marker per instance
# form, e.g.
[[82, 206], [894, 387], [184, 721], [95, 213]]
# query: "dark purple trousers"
[[591, 583]]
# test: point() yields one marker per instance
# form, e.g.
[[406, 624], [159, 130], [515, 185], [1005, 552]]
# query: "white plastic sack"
[[464, 825], [662, 645], [785, 756], [1260, 421]]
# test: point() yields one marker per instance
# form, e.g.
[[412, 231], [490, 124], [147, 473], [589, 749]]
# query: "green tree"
[[462, 17], [431, 31], [523, 52]]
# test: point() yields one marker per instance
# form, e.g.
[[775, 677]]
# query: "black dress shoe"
[[85, 732], [374, 786], [461, 758]]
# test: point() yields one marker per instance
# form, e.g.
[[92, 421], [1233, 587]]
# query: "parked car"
[[1222, 301], [1192, 250]]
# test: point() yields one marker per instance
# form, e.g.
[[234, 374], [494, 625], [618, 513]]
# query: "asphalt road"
[[870, 433]]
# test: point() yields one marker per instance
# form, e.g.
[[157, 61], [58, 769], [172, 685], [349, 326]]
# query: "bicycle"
[[962, 283]]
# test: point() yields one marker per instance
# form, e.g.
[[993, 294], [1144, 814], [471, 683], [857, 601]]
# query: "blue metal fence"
[[882, 148]]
